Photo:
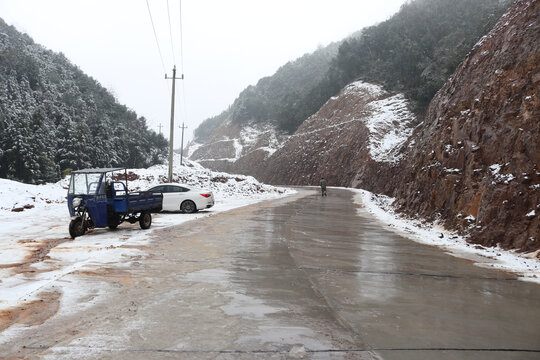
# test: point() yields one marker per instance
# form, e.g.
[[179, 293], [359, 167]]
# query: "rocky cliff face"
[[475, 160], [356, 136]]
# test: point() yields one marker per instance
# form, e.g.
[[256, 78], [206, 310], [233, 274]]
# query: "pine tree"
[[54, 117]]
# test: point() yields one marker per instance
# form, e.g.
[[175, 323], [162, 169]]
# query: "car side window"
[[172, 188], [158, 189], [183, 189]]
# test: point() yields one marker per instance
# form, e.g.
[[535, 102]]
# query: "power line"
[[182, 63], [170, 32], [155, 37], [181, 42]]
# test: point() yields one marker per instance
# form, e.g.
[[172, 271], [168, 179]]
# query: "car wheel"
[[188, 207]]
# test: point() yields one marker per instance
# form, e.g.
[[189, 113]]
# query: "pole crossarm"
[[173, 77]]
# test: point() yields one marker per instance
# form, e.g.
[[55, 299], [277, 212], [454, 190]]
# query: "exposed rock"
[[474, 162], [22, 208], [353, 140]]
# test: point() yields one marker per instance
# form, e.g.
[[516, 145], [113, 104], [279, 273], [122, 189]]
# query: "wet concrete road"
[[302, 277]]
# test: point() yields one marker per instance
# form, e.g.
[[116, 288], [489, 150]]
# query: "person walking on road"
[[323, 186]]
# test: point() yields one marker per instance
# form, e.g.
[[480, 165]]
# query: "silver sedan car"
[[179, 197]]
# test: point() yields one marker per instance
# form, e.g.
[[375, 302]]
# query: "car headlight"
[[76, 202]]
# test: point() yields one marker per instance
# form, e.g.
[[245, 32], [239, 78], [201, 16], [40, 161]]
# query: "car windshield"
[[85, 184]]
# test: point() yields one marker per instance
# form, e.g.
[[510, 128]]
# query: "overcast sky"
[[227, 44]]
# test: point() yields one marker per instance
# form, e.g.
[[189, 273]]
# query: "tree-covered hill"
[[53, 117], [413, 52], [275, 98]]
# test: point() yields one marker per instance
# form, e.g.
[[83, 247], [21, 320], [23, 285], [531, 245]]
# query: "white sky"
[[227, 45]]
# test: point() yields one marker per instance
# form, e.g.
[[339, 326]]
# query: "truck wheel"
[[114, 221], [145, 220], [76, 228], [188, 207]]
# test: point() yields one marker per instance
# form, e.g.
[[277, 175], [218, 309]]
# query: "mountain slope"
[[413, 53], [53, 117], [360, 131], [472, 164], [475, 161], [240, 139]]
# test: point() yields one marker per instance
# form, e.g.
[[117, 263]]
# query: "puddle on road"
[[289, 335], [211, 276], [247, 306]]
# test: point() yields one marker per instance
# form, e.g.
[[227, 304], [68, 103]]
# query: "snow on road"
[[37, 252], [527, 266]]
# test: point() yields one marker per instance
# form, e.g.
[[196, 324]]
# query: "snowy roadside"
[[525, 265], [36, 252]]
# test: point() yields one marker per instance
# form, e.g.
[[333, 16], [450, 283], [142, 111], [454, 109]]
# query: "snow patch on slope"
[[274, 139], [253, 136], [372, 89], [390, 122], [191, 148], [238, 147], [390, 126]]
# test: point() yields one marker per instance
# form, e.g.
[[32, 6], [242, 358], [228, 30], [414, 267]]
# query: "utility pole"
[[171, 136], [160, 126], [182, 144]]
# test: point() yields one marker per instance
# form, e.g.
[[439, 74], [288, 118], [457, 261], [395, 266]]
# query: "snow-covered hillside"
[[237, 146], [387, 117], [354, 135], [16, 197], [252, 137]]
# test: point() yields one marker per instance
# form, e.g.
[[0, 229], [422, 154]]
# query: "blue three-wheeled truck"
[[96, 200]]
